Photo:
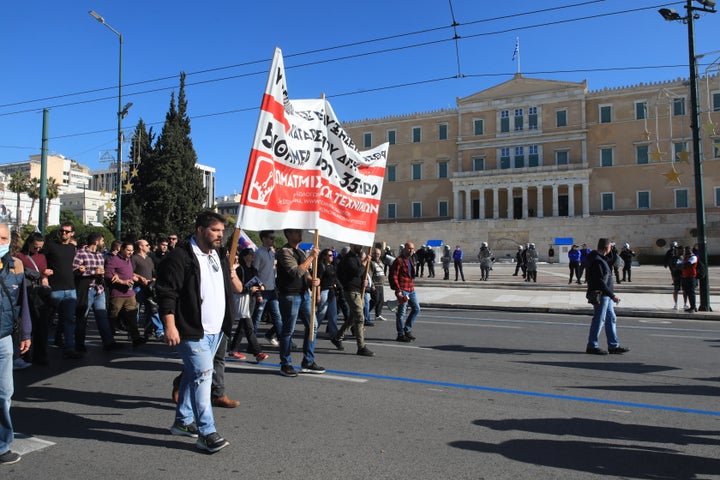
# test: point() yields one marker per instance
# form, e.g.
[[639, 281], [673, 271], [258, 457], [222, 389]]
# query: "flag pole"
[[234, 246], [314, 289]]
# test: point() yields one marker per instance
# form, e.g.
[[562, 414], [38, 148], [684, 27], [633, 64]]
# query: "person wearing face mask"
[[14, 310]]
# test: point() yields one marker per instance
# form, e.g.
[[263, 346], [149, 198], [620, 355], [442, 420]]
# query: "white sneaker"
[[20, 363], [380, 318], [675, 307]]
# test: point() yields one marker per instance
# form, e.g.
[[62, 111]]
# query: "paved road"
[[481, 395]]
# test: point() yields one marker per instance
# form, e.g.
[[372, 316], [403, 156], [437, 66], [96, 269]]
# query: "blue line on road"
[[531, 394]]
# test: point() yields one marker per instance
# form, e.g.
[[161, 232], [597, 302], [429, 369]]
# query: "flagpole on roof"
[[516, 53]]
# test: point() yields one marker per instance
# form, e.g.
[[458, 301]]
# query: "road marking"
[[525, 393], [26, 443], [679, 336], [272, 368]]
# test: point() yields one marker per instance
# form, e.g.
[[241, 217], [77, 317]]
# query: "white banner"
[[305, 171]]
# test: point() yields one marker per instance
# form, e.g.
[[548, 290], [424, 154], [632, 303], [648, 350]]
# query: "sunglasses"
[[213, 263], [66, 231]]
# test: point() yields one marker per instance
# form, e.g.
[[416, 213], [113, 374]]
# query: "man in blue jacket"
[[196, 303], [14, 307]]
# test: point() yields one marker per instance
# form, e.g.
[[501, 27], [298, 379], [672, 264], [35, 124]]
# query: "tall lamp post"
[[671, 15], [121, 113]]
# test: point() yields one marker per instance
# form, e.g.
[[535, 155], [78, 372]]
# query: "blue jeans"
[[6, 391], [603, 313], [292, 307], [271, 303], [194, 403], [327, 310], [65, 302], [366, 307], [142, 299], [400, 313], [99, 305]]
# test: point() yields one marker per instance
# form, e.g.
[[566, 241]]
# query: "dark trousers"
[[458, 268]]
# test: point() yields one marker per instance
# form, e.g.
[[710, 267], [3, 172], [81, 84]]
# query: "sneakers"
[[365, 352], [369, 324], [312, 368], [272, 340], [675, 307], [380, 318], [261, 356], [224, 402], [338, 343], [690, 310], [236, 355], [288, 371], [403, 338], [619, 350], [596, 351], [189, 430], [20, 363], [212, 442], [410, 336], [8, 458]]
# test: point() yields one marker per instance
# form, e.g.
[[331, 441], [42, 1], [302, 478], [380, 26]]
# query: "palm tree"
[[52, 192], [33, 191], [18, 184]]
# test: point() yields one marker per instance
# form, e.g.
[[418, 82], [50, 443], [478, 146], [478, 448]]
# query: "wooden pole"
[[314, 290], [234, 246]]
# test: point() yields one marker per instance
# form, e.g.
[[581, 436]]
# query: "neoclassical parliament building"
[[552, 163]]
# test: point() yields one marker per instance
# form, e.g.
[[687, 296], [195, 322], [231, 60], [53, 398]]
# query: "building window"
[[716, 148], [561, 118], [417, 171], [442, 169], [417, 209], [679, 106], [479, 127], [533, 156], [504, 158], [717, 196], [607, 201], [642, 154], [391, 173], [681, 198], [478, 164], [678, 149], [443, 208], [443, 131], [640, 110], [391, 134], [532, 118], [643, 199], [417, 134], [716, 102], [518, 119], [605, 113], [391, 210], [367, 140], [561, 157], [504, 121], [519, 157], [606, 157]]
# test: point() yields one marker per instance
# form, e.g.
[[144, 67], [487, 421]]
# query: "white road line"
[[680, 336], [25, 443]]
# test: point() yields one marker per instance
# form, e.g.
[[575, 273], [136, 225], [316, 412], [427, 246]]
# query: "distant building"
[[91, 206], [65, 171], [228, 205], [533, 160]]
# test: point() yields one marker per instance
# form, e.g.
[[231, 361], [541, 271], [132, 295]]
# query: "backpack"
[[700, 270]]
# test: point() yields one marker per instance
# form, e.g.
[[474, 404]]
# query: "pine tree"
[[172, 190], [139, 175]]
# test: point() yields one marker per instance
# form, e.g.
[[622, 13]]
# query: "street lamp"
[[121, 113], [671, 15]]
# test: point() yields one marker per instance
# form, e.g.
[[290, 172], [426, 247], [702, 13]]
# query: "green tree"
[[170, 188], [133, 202], [33, 192], [18, 183], [53, 192]]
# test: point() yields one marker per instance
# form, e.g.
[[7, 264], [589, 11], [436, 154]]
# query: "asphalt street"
[[482, 394]]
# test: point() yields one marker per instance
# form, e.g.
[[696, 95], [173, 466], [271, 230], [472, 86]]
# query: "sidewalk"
[[649, 293]]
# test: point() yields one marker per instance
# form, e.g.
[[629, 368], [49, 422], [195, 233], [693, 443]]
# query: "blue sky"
[[371, 59]]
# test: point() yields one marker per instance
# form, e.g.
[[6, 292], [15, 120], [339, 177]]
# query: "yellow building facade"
[[533, 160]]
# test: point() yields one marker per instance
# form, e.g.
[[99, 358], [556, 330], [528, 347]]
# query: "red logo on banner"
[[263, 180]]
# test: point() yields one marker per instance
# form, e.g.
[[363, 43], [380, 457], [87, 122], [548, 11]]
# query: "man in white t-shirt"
[[196, 303]]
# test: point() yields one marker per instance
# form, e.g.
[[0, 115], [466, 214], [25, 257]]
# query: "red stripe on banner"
[[277, 110], [372, 171]]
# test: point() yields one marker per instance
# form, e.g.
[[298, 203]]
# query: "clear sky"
[[371, 59]]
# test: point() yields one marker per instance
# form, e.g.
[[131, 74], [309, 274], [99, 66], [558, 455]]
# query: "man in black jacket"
[[195, 301], [352, 274], [602, 297]]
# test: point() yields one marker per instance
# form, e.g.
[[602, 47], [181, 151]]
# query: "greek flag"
[[516, 52]]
